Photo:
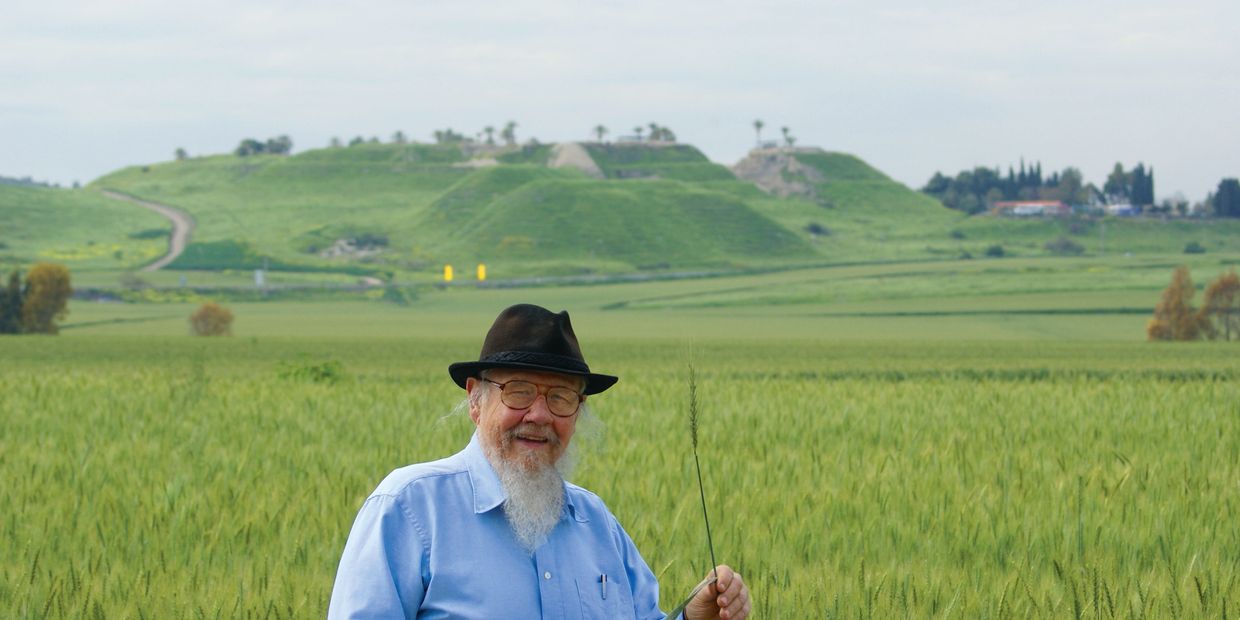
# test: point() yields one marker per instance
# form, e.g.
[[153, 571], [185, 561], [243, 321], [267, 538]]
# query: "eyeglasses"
[[561, 401]]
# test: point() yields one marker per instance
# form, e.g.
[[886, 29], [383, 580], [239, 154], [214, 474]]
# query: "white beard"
[[535, 501]]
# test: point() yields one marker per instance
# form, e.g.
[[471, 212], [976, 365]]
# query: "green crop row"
[[176, 477]]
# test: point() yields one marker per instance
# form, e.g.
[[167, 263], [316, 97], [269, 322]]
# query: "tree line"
[[656, 133], [37, 305], [279, 145], [977, 190], [974, 191]]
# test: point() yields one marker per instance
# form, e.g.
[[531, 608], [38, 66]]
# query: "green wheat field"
[[165, 476]]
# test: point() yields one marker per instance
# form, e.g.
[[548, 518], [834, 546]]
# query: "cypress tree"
[[1227, 198], [11, 305]]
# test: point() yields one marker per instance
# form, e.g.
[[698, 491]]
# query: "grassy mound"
[[659, 223]]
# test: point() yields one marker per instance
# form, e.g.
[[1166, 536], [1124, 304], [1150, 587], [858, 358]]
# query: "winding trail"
[[182, 227]]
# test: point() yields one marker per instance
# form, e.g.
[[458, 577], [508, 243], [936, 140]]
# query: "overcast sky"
[[911, 87]]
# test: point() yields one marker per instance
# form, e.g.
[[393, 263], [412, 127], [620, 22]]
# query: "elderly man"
[[494, 531]]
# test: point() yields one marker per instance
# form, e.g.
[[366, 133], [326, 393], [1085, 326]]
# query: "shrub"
[[816, 229], [1064, 246], [211, 319], [956, 234], [995, 251], [132, 281], [1194, 248], [401, 296], [45, 298], [327, 371]]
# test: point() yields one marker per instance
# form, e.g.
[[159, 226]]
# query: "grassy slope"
[[1110, 236], [867, 216], [523, 217], [78, 228], [281, 206]]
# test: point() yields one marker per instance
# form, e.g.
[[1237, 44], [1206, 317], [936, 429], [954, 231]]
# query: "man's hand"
[[727, 598]]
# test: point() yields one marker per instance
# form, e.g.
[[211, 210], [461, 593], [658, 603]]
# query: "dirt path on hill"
[[182, 226], [573, 155]]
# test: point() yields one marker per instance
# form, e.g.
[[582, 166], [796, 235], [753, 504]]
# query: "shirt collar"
[[489, 493]]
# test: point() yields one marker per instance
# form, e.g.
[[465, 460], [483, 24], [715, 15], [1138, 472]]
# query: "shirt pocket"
[[618, 604]]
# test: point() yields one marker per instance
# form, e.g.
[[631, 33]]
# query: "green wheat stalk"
[[693, 435]]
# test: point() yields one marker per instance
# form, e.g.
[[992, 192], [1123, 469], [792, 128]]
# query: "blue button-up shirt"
[[432, 541]]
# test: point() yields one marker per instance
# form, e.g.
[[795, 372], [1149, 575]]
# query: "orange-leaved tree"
[[211, 319], [1174, 317], [45, 298], [1220, 310]]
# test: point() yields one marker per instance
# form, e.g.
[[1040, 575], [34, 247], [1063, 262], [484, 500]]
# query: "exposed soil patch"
[[777, 172], [573, 155]]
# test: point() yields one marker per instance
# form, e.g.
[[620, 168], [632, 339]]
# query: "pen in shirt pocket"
[[603, 580]]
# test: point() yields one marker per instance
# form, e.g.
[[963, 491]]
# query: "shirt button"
[[547, 575]]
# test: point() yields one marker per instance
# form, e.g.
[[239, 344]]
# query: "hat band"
[[548, 360]]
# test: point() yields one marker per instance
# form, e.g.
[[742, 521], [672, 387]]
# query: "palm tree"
[[789, 140], [600, 131], [638, 130], [509, 134], [490, 132], [757, 127], [399, 137], [654, 132]]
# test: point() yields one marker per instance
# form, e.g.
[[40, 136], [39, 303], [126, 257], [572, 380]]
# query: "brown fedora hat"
[[529, 337]]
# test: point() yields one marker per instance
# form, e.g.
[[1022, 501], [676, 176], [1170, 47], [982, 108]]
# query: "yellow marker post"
[[447, 273], [482, 272]]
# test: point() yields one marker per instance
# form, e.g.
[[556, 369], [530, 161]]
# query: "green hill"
[[79, 228], [421, 206], [403, 211]]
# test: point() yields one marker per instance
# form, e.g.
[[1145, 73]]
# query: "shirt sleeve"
[[380, 573]]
